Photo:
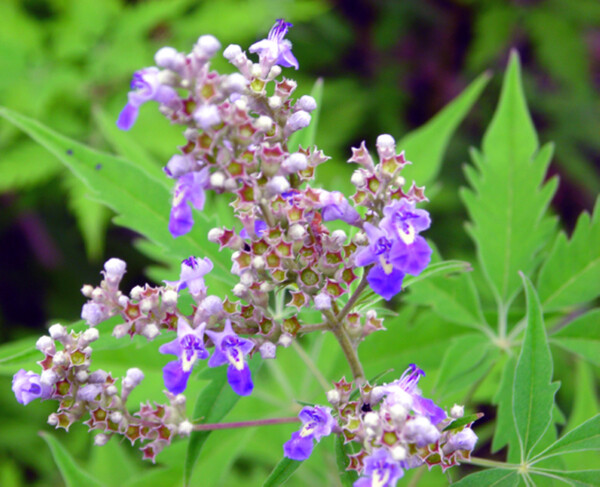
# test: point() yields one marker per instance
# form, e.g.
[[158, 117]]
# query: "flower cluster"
[[395, 427]]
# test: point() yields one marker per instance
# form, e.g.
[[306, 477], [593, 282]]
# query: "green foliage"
[[282, 472], [508, 202], [581, 336]]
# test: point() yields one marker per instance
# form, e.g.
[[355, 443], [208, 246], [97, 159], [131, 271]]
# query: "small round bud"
[[256, 71], [358, 179], [297, 232], [306, 103], [57, 331], [246, 278], [217, 180], [115, 268], [165, 57], [294, 163], [45, 344], [457, 411], [98, 295], [111, 390], [179, 400], [133, 377], [60, 359], [179, 165], [87, 290], [116, 417], [185, 428], [360, 238], [400, 181], [297, 121], [169, 298], [120, 331], [339, 237], [285, 340], [236, 83], [212, 305], [101, 439], [278, 185], [399, 453], [231, 184], [264, 123], [136, 293], [206, 116], [258, 263], [98, 377], [53, 419], [207, 46], [275, 102], [232, 51], [322, 301], [420, 431], [398, 413], [371, 420], [87, 351], [88, 336], [48, 377], [239, 290], [266, 287], [82, 376], [150, 331], [333, 396], [146, 305], [241, 104], [215, 234], [274, 72], [123, 301], [267, 350], [386, 146]]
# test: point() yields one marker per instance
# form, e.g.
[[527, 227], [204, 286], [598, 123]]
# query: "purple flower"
[[27, 386], [335, 206], [380, 470], [231, 349], [193, 270], [317, 422], [189, 188], [188, 347], [385, 283], [275, 49], [145, 86]]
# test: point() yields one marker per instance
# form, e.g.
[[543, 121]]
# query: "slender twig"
[[244, 424], [355, 295], [347, 347], [311, 366], [484, 462]]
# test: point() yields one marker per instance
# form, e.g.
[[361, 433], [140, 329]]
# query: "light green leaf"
[[507, 203], [73, 474], [215, 401], [425, 147], [112, 465], [571, 274], [141, 201], [585, 437], [494, 477], [577, 478], [282, 471], [581, 336], [342, 453], [533, 390], [305, 138], [26, 165]]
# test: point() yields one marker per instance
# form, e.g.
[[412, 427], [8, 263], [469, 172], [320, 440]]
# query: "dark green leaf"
[[494, 477], [533, 389], [282, 471], [505, 433], [342, 453], [508, 202], [571, 274], [73, 474]]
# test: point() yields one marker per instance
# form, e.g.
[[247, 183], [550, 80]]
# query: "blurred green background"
[[388, 67]]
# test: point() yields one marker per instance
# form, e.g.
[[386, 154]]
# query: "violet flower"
[[145, 86], [380, 470], [189, 188], [231, 349], [27, 386], [193, 270], [335, 206], [317, 422], [275, 49], [189, 348]]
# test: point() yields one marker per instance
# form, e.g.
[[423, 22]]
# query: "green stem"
[[244, 424], [484, 462], [347, 347], [355, 295]]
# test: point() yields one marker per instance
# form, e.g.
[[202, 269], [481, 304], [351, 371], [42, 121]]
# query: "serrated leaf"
[[142, 203], [533, 390], [494, 477], [215, 401], [577, 478], [73, 474], [282, 472], [581, 336], [426, 146], [571, 274], [507, 203], [305, 138], [585, 437], [342, 453], [505, 433]]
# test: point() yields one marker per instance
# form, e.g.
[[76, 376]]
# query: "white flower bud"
[[57, 331], [278, 185], [87, 351], [236, 83], [206, 47], [206, 116], [60, 359], [358, 179], [167, 57], [274, 72], [146, 305], [133, 377], [457, 411], [400, 181], [179, 400], [90, 335], [297, 121], [98, 295], [420, 431], [217, 180], [306, 103], [239, 290], [246, 278], [215, 234], [92, 314], [87, 290], [275, 102], [266, 287], [399, 453], [463, 440], [231, 184], [136, 293], [98, 377], [294, 162], [267, 350], [169, 298], [185, 428], [111, 390], [179, 165], [333, 396], [82, 376], [386, 146], [258, 263], [48, 377], [116, 417], [53, 419], [123, 301], [120, 331], [372, 420], [150, 331], [398, 413], [45, 344], [264, 123], [297, 232], [115, 268], [285, 340], [101, 439], [212, 305], [256, 71], [360, 238], [241, 104], [339, 237], [232, 51], [322, 301]]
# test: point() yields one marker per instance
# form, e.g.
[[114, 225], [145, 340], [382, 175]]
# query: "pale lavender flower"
[[317, 423], [189, 188], [27, 386], [380, 470], [275, 49], [335, 206]]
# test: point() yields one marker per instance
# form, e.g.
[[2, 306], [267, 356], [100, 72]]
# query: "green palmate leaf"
[[494, 477], [466, 361], [585, 437], [306, 138], [426, 146], [282, 471], [507, 203], [581, 336], [571, 274], [215, 401], [342, 454], [141, 201], [73, 474], [577, 478], [533, 390], [505, 433]]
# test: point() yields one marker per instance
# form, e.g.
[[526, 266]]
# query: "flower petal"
[[298, 447], [175, 377], [240, 380]]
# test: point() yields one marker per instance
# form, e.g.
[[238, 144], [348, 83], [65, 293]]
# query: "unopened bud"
[[399, 453], [371, 420], [212, 305], [217, 180], [339, 237], [246, 278], [297, 232], [179, 165], [133, 377], [179, 400], [146, 305], [57, 331], [278, 185], [53, 419], [82, 376], [206, 46], [168, 57], [333, 396], [275, 102], [101, 439], [386, 146], [45, 344], [48, 377], [169, 298], [274, 72], [111, 390], [116, 417], [264, 123], [297, 121], [185, 428], [256, 71], [457, 411], [230, 184], [87, 290], [294, 163], [236, 83], [115, 268], [123, 301], [120, 331], [322, 301], [136, 293], [358, 179], [150, 331], [285, 340], [92, 314], [239, 290], [98, 295], [306, 103], [90, 335], [206, 116], [60, 359], [215, 234], [258, 263], [232, 51], [360, 238], [266, 287]]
